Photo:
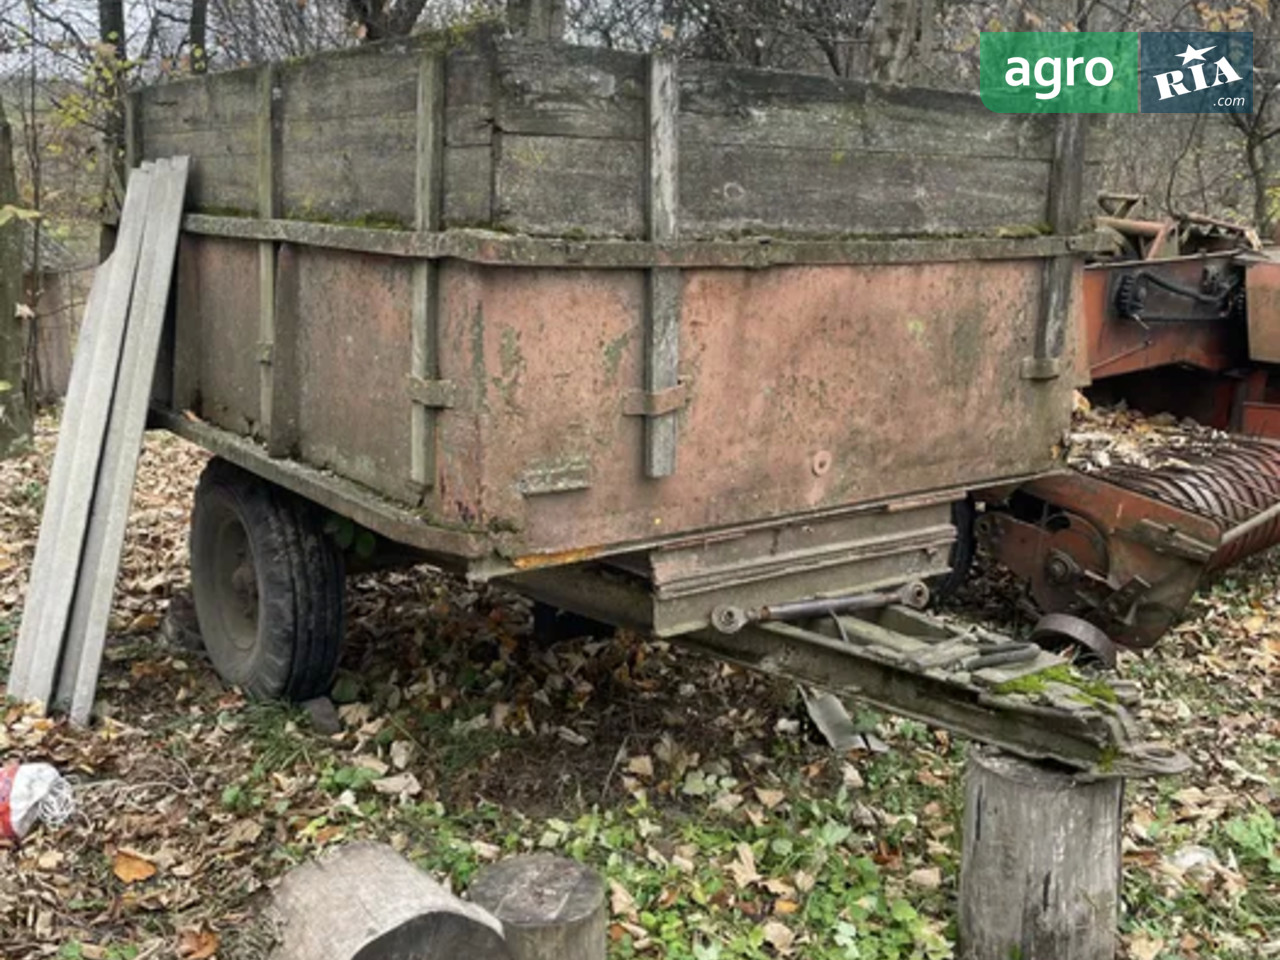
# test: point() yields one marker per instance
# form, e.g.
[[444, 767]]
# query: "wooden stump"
[[551, 908], [1040, 873], [366, 902]]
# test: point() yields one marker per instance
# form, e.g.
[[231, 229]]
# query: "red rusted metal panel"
[[810, 388], [353, 339], [1262, 288], [216, 332], [1118, 345], [807, 388], [1260, 419]]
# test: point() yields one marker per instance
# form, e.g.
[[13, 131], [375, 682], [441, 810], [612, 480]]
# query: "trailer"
[[715, 352]]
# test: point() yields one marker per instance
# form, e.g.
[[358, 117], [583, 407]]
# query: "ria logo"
[[1084, 72], [1173, 83], [1197, 72]]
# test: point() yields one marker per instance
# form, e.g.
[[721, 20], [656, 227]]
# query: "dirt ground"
[[723, 829]]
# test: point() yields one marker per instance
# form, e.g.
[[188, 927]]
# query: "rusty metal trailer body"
[[646, 339], [584, 260]]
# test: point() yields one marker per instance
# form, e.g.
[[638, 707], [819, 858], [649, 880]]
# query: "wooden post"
[[268, 190], [1040, 870], [551, 908], [424, 355], [1066, 194], [662, 323], [367, 901]]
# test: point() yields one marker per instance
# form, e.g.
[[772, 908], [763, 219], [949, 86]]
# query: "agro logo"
[[1197, 72]]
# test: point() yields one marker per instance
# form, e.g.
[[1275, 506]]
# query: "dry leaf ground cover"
[[722, 829]]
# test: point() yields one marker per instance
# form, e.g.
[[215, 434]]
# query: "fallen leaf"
[[641, 766], [621, 903], [130, 867], [401, 753], [744, 867], [770, 798], [197, 944], [1143, 947], [400, 785], [928, 877], [779, 936]]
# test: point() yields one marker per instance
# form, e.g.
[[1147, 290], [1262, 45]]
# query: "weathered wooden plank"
[[468, 186], [424, 348], [104, 539], [566, 186], [570, 153], [354, 171], [75, 466], [662, 323], [222, 100], [566, 91], [337, 88], [28, 647], [220, 182], [486, 247], [1064, 213], [468, 116], [728, 191], [732, 105]]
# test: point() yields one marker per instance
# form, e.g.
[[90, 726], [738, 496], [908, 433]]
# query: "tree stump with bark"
[[1040, 868], [551, 908], [368, 902]]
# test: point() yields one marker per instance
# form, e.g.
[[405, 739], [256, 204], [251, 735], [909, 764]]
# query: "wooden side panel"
[[347, 137], [213, 121], [760, 152], [734, 190], [352, 366], [567, 186], [549, 139]]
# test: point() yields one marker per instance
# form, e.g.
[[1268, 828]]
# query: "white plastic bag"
[[31, 792]]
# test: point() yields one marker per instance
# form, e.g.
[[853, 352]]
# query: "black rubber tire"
[[268, 585], [963, 513]]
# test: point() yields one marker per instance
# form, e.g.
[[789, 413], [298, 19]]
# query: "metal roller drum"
[[1235, 482]]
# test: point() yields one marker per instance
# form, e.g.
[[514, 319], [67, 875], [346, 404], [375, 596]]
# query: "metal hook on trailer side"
[[730, 619]]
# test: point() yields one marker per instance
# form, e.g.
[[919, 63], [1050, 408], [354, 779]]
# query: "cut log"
[[366, 902], [551, 908], [1040, 869]]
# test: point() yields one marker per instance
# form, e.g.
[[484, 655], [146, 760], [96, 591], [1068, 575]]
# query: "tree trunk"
[[111, 31], [197, 35], [15, 414], [1040, 868], [1259, 170]]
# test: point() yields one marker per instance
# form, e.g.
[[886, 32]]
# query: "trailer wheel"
[[267, 583], [962, 551]]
